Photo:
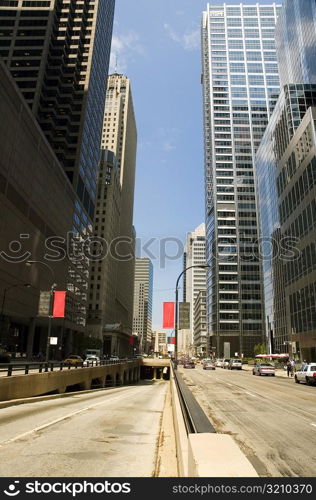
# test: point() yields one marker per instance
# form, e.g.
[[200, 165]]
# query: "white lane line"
[[249, 393], [60, 419], [314, 425]]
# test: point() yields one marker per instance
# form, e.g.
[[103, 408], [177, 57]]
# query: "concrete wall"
[[35, 384]]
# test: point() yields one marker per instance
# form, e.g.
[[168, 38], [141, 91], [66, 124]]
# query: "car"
[[263, 369], [189, 364], [114, 358], [91, 361], [219, 363], [74, 359], [235, 364], [307, 375], [208, 365], [226, 362]]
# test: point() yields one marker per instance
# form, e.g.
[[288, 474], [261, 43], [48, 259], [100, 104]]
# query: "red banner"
[[59, 304], [131, 340], [168, 315]]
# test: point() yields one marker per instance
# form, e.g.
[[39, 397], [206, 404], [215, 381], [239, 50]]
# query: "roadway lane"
[[272, 419], [107, 433]]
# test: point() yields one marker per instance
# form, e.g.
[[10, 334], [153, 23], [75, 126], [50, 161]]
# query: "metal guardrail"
[[50, 366], [194, 417]]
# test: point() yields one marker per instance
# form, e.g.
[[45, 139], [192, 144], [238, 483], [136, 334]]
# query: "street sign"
[[53, 340], [184, 316], [44, 304]]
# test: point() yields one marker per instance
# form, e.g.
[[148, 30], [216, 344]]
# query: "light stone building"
[[143, 297]]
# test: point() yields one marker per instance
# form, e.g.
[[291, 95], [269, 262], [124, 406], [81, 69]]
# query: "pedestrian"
[[288, 367], [304, 363], [292, 367]]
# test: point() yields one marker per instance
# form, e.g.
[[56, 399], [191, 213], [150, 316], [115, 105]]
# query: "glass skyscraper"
[[240, 88], [286, 177]]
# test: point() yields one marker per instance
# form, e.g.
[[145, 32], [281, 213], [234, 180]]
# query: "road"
[[271, 418], [106, 433]]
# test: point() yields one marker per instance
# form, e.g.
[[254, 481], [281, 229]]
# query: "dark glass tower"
[[58, 53]]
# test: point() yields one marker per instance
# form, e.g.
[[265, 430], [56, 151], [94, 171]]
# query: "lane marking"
[[60, 419], [314, 425], [249, 393]]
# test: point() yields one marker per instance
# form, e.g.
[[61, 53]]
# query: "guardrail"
[[194, 417], [50, 366]]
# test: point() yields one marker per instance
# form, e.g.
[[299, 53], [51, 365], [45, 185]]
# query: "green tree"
[[260, 349]]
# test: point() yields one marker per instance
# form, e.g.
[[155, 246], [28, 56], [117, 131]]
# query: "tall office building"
[[58, 53], [240, 87], [119, 135], [286, 175], [143, 297], [195, 278], [199, 333]]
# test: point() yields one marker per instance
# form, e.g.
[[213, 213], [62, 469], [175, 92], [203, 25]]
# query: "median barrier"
[[204, 454]]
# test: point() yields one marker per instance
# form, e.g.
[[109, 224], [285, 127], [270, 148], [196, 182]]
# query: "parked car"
[[219, 363], [263, 369], [226, 362], [189, 364], [91, 361], [208, 365], [307, 375], [74, 359], [235, 364]]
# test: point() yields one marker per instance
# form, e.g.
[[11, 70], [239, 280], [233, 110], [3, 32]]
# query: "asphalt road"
[[108, 433], [272, 419]]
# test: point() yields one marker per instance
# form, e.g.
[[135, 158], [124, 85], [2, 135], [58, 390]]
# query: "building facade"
[[240, 88], [143, 301], [195, 278], [200, 339], [36, 206], [285, 166], [58, 53], [119, 135]]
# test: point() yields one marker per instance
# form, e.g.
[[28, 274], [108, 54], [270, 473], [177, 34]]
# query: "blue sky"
[[157, 45]]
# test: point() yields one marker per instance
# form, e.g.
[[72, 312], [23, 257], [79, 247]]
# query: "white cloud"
[[122, 50], [189, 40]]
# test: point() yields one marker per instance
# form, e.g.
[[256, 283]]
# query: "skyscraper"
[[240, 87], [195, 280], [286, 175], [58, 53], [120, 136], [143, 297]]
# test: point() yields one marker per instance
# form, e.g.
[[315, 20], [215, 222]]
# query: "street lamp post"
[[27, 285], [52, 289], [202, 266]]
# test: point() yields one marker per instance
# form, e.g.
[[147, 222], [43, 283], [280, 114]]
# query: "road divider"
[[201, 452]]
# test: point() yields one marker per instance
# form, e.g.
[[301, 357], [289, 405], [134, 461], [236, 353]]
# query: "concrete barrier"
[[181, 436], [217, 455], [35, 384], [206, 454]]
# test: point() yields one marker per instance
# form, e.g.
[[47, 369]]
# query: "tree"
[[260, 349]]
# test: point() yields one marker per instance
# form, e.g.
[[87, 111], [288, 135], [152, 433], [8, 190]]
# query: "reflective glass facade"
[[240, 88], [296, 42], [286, 183]]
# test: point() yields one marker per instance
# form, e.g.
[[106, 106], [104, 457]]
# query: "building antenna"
[[115, 64]]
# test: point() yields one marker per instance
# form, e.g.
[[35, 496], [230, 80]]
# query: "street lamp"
[[52, 289], [201, 266], [26, 285]]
